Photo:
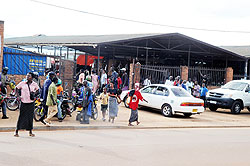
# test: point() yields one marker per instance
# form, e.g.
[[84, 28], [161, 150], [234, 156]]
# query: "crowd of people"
[[194, 88], [87, 85]]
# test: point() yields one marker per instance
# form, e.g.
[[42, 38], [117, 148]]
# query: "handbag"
[[32, 94]]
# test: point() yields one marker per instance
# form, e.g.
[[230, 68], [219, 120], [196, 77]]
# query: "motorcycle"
[[79, 107], [39, 108], [12, 102]]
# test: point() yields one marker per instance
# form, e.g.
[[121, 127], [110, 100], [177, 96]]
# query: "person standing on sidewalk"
[[113, 103], [59, 92], [3, 93], [85, 103], [196, 92], [51, 101], [203, 92], [104, 78], [28, 90], [104, 102], [44, 94], [135, 96]]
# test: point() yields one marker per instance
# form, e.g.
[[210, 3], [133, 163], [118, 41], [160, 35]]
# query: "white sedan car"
[[169, 99]]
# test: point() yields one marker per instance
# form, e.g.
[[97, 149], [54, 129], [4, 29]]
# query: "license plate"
[[212, 102], [194, 110]]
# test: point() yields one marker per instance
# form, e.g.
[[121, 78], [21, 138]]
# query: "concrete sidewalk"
[[149, 119]]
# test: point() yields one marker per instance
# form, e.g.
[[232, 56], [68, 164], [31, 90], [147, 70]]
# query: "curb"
[[54, 128]]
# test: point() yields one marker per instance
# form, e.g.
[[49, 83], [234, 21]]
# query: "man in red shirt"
[[135, 96]]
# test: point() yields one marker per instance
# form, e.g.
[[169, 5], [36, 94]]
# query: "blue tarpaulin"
[[21, 62]]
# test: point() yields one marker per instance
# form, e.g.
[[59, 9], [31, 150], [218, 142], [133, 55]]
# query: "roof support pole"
[[98, 59], [54, 51], [75, 64], [146, 52], [246, 64], [60, 62], [67, 52], [226, 62], [189, 54]]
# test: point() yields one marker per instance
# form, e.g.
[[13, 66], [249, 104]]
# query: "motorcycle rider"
[[36, 79], [4, 77], [59, 91]]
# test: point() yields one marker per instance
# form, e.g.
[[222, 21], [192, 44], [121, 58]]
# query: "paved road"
[[216, 147], [151, 118]]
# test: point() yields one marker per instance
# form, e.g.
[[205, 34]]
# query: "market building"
[[159, 55]]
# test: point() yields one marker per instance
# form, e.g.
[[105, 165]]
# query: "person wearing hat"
[[44, 94]]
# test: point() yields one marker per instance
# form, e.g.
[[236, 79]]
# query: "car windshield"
[[235, 86], [179, 92]]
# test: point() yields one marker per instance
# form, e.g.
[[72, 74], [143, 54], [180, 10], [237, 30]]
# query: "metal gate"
[[158, 74], [214, 76]]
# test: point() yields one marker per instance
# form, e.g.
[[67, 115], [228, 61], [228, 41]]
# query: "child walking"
[[104, 103]]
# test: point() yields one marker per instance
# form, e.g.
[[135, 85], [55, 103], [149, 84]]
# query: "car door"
[[160, 97], [147, 93], [246, 96]]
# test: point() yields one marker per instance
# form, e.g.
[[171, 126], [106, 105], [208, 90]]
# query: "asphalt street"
[[128, 147]]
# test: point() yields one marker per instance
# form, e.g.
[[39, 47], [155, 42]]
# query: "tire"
[[125, 101], [95, 113], [166, 110], [187, 115], [38, 113], [64, 114], [12, 104], [236, 107], [213, 107]]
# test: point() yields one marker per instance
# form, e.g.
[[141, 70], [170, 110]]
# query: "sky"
[[28, 18]]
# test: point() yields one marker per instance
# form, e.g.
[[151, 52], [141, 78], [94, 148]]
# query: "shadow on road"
[[158, 112]]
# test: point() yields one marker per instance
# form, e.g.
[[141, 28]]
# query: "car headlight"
[[227, 95]]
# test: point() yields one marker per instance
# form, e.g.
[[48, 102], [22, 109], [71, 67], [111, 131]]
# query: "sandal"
[[130, 124], [138, 123], [32, 135]]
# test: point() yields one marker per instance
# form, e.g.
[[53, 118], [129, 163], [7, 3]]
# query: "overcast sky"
[[27, 18]]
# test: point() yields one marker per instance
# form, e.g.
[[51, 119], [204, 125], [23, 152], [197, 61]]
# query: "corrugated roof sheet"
[[241, 50], [85, 39]]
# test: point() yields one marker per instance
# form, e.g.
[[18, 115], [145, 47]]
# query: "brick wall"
[[229, 74], [67, 72], [2, 40]]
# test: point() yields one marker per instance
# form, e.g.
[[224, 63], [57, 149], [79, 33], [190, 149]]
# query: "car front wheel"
[[236, 107], [166, 110], [213, 107]]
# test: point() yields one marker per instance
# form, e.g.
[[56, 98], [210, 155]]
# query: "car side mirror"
[[247, 90]]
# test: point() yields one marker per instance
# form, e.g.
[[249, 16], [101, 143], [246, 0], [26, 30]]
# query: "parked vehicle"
[[169, 99], [66, 109], [94, 110], [234, 95]]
